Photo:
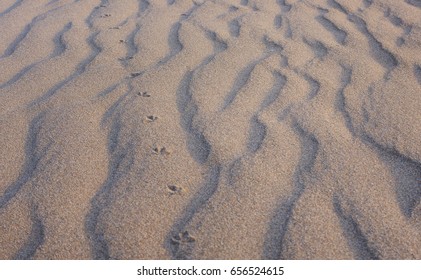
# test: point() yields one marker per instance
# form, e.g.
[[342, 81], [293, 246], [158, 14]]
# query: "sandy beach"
[[210, 129]]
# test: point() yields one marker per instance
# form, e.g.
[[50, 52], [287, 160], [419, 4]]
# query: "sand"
[[210, 129]]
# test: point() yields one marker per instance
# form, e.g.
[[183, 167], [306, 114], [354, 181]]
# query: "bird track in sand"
[[273, 110]]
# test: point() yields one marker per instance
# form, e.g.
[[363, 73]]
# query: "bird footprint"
[[135, 74], [162, 151], [143, 94], [173, 189], [151, 118], [183, 238]]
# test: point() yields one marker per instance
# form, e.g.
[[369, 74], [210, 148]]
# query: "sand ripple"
[[210, 129]]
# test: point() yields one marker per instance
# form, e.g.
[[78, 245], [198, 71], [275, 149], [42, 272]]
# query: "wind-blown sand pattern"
[[210, 129]]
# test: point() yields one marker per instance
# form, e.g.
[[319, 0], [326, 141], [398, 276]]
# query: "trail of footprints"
[[194, 230]]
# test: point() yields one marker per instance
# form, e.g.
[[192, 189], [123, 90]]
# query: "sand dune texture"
[[210, 129]]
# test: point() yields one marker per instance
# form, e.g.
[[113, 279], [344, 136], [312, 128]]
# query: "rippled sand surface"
[[210, 129]]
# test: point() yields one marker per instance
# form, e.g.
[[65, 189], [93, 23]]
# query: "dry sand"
[[210, 129]]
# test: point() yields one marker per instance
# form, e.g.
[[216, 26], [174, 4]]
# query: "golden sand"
[[210, 129]]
